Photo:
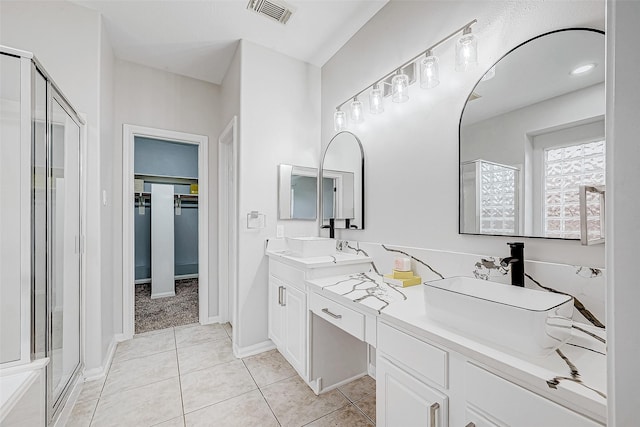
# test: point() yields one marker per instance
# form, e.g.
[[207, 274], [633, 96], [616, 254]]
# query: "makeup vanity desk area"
[[334, 320]]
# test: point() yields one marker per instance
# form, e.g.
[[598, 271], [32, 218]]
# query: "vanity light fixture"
[[429, 71], [339, 120], [357, 113], [466, 51], [582, 69], [376, 104], [400, 87], [401, 77]]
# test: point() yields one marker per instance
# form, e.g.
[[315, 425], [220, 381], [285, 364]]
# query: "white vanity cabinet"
[[424, 384], [288, 322], [412, 377], [494, 401]]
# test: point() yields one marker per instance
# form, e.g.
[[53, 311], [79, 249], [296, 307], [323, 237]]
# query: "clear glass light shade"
[[357, 113], [466, 52], [376, 105], [429, 72], [400, 88], [339, 121]]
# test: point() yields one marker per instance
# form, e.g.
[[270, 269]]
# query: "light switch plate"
[[280, 231]]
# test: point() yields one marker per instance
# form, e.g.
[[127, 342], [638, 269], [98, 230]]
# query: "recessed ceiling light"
[[582, 69]]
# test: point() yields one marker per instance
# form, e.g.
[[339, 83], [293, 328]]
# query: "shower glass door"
[[64, 249]]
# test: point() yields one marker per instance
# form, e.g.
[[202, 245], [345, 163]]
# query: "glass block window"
[[498, 198], [567, 168]]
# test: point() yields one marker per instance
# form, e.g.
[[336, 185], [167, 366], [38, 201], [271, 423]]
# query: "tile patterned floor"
[[187, 376]]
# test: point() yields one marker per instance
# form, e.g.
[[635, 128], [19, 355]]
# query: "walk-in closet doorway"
[[165, 229]]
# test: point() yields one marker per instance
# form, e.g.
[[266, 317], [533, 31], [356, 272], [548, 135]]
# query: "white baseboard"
[[101, 371], [163, 294], [212, 320], [336, 385], [241, 352]]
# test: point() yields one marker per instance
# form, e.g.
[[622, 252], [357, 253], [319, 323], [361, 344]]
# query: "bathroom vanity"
[[334, 319]]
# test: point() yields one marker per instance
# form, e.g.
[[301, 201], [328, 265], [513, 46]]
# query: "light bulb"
[[400, 87], [429, 73], [466, 51], [376, 105], [339, 121], [357, 115]]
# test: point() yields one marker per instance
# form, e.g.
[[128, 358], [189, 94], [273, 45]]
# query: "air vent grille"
[[278, 11]]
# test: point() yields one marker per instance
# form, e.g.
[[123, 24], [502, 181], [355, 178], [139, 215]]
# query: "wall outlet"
[[279, 231]]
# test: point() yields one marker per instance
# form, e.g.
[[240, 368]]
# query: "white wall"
[[279, 123], [154, 98], [73, 58], [107, 64], [411, 150], [623, 204]]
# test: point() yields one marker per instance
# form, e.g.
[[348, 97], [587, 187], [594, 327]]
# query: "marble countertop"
[[548, 376], [277, 249]]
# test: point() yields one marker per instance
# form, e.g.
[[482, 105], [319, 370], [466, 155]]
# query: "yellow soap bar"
[[194, 188], [397, 274], [403, 283]]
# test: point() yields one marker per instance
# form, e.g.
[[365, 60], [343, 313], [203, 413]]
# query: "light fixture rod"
[[445, 39]]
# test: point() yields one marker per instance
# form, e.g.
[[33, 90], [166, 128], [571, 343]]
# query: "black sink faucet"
[[516, 260], [331, 227]]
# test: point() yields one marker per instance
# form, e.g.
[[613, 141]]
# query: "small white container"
[[517, 319]]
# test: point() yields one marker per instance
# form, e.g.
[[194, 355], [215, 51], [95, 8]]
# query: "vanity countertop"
[[277, 249], [405, 308]]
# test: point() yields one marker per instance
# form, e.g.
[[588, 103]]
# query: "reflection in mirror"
[[343, 182], [531, 132], [297, 192]]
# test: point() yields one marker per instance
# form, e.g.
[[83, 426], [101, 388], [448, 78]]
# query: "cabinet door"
[[276, 309], [475, 419], [406, 402], [296, 328]]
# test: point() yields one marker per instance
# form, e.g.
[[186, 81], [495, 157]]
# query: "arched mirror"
[[532, 132], [342, 182]]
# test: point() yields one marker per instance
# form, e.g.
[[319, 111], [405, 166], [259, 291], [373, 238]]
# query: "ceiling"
[[538, 71], [198, 38]]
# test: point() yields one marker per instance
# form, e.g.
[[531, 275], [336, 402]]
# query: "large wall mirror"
[[531, 132], [342, 185], [297, 192]]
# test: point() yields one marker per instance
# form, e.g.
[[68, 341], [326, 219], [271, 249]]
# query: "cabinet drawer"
[[344, 318], [288, 274], [515, 406], [425, 359]]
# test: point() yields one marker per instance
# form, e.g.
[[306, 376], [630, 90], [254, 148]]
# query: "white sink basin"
[[525, 321], [307, 247]]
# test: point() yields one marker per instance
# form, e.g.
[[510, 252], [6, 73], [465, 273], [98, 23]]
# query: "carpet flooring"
[[161, 313]]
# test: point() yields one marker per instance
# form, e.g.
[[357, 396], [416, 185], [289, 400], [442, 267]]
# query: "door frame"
[[129, 132], [228, 247]]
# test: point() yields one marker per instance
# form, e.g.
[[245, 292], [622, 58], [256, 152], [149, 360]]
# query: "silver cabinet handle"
[[284, 296], [280, 288], [471, 424], [432, 414], [335, 316]]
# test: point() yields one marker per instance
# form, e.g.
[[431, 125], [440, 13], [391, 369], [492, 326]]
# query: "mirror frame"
[[459, 169], [340, 225], [281, 190]]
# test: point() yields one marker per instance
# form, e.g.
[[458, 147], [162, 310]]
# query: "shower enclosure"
[[40, 226]]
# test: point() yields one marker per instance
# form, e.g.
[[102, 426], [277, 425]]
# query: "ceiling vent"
[[276, 10]]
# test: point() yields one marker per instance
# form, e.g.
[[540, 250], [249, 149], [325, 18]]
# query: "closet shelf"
[[166, 179]]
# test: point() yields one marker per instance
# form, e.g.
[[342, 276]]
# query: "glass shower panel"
[[39, 215], [64, 225], [10, 292]]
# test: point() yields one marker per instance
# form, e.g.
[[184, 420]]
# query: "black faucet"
[[516, 260], [331, 227]]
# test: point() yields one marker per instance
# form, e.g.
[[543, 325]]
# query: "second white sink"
[[526, 321]]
